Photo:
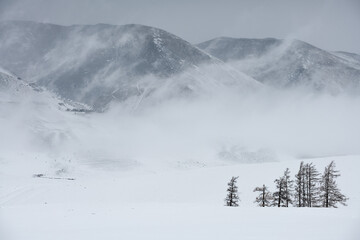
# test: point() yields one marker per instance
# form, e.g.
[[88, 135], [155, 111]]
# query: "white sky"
[[329, 24]]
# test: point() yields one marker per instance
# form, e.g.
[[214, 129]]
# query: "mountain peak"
[[97, 64]]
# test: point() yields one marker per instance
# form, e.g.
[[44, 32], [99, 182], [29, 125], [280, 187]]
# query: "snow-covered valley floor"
[[168, 203], [161, 172]]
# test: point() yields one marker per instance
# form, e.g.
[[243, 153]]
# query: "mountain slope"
[[350, 58], [283, 63], [34, 119], [11, 84], [96, 64], [13, 90], [228, 49]]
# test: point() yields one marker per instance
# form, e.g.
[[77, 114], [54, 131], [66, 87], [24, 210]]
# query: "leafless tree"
[[330, 193], [264, 198], [232, 198]]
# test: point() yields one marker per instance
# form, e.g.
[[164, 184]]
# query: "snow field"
[[168, 203]]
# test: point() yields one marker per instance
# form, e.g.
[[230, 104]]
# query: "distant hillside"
[[290, 63], [96, 64]]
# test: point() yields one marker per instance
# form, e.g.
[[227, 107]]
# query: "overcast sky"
[[329, 24]]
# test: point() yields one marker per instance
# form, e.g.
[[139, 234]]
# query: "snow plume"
[[218, 126], [216, 130], [282, 122]]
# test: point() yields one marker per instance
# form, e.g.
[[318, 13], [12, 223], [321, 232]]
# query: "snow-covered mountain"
[[33, 118], [350, 58], [232, 49], [9, 83], [98, 64], [288, 63], [95, 64], [15, 91]]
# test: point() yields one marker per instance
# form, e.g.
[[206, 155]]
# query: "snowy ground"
[[162, 172], [166, 203]]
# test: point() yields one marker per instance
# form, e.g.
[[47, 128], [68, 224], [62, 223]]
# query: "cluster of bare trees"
[[309, 189]]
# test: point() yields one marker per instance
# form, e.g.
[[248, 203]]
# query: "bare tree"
[[264, 199], [307, 186], [300, 186], [284, 185], [232, 198], [288, 188], [312, 185], [278, 195], [330, 193]]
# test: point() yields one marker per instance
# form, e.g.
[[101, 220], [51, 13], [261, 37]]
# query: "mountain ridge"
[[103, 63], [287, 63], [97, 64]]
